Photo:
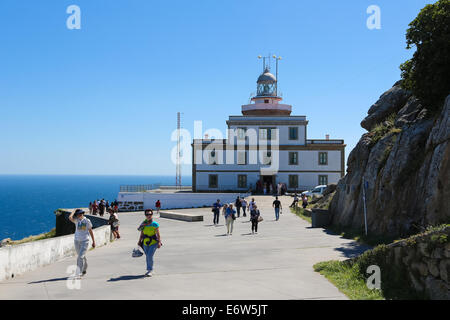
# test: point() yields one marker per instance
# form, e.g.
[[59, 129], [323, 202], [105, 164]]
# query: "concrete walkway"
[[198, 261]]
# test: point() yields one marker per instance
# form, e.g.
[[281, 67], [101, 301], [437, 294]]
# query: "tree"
[[427, 74]]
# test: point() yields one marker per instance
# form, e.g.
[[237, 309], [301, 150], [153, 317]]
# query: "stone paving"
[[199, 261]]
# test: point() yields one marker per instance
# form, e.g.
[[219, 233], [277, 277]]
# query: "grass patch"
[[382, 129], [348, 280], [300, 212], [42, 236]]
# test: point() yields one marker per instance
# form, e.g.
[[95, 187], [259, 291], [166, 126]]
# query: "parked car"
[[318, 190]]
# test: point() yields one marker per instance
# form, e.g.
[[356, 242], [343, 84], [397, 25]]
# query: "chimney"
[[327, 137]]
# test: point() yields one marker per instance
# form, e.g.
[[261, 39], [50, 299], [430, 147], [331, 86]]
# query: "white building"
[[266, 144]]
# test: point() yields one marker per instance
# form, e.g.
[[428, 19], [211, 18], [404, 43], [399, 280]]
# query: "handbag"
[[233, 216], [260, 219], [136, 253]]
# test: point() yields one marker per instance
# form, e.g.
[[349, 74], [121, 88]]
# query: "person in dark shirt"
[[254, 216], [277, 205], [216, 211], [238, 206]]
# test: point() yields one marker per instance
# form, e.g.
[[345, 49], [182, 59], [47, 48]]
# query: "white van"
[[318, 190]]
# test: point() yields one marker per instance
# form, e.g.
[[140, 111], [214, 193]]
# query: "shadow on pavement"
[[353, 249], [121, 278], [49, 280]]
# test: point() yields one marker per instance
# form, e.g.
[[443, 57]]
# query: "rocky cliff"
[[404, 158]]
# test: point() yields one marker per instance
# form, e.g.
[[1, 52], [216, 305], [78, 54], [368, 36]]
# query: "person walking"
[[244, 207], [230, 216], [83, 228], [158, 206], [216, 210], [90, 207], [101, 208], [295, 202], [149, 240], [114, 223], [277, 205], [238, 206], [94, 208], [251, 204], [254, 218]]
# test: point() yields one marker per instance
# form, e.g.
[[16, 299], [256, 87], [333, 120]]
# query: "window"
[[241, 157], [323, 180], [242, 181], [323, 158], [293, 133], [213, 180], [266, 101], [293, 181], [241, 133], [293, 158], [212, 157], [267, 133]]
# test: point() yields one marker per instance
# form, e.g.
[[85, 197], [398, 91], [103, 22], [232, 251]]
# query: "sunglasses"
[[148, 214]]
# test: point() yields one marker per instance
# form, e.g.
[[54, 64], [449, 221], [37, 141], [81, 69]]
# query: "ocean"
[[28, 202]]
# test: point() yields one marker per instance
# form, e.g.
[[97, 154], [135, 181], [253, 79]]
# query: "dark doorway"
[[268, 182]]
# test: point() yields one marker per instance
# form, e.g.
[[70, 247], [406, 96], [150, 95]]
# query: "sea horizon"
[[28, 201]]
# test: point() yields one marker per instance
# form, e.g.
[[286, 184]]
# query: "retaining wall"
[[17, 259]]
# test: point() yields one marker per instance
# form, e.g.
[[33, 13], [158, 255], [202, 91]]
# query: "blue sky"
[[103, 99]]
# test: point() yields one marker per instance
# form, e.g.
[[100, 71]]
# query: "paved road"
[[198, 261]]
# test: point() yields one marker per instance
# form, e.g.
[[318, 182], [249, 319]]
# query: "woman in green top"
[[150, 239]]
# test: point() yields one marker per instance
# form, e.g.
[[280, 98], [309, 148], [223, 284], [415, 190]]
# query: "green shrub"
[[427, 73]]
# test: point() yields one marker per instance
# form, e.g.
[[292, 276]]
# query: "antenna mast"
[[178, 173]]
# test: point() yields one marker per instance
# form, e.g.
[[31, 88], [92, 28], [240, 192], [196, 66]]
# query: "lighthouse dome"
[[266, 78]]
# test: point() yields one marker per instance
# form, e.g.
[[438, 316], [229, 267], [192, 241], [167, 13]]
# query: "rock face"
[[405, 161]]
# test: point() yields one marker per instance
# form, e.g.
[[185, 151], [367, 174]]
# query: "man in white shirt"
[[83, 229]]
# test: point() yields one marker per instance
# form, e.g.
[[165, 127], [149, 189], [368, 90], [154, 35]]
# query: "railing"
[[324, 141], [138, 188]]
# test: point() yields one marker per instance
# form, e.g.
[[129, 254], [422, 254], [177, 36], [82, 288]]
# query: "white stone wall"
[[17, 259], [178, 200]]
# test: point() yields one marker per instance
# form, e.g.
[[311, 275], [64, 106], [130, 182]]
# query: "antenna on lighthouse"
[[178, 173]]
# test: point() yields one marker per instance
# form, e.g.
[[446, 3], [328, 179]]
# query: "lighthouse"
[[266, 146]]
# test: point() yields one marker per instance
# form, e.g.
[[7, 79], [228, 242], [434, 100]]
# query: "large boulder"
[[389, 102], [406, 170]]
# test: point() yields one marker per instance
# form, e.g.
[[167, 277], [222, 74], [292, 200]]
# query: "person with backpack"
[[149, 240], [277, 205], [216, 210], [83, 228], [230, 216], [254, 218]]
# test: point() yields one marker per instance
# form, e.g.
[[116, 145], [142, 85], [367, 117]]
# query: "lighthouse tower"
[[266, 102]]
